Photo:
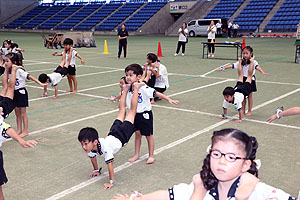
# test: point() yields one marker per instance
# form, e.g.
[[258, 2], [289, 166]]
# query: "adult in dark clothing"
[[122, 34]]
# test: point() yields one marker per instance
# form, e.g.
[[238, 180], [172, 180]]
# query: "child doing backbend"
[[228, 172], [247, 55]]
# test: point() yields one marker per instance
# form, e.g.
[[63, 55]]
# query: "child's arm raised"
[[67, 63], [162, 96], [81, 59], [111, 176]]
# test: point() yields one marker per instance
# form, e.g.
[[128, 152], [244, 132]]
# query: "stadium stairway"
[[269, 16], [199, 10], [36, 16], [239, 10], [74, 27], [108, 16]]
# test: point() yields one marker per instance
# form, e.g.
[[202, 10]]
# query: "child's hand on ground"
[[44, 94], [264, 73], [223, 116], [272, 118], [121, 197], [29, 144], [107, 186], [238, 121], [54, 54], [94, 174], [171, 101], [112, 98]]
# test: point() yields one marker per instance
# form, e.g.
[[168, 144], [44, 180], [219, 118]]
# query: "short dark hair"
[[136, 68], [228, 91], [14, 58], [43, 78], [124, 79], [88, 133], [68, 41], [152, 57]]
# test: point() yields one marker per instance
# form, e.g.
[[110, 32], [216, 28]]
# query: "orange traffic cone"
[[244, 43], [159, 53]]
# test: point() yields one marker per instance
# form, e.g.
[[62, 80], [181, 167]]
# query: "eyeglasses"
[[230, 157]]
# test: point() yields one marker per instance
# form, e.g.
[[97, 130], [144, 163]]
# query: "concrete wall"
[[159, 23], [12, 9]]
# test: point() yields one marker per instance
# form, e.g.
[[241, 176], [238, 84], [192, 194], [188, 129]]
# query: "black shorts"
[[72, 70], [143, 122], [161, 90], [253, 84], [122, 130], [3, 178], [244, 88], [7, 104], [21, 97], [62, 70]]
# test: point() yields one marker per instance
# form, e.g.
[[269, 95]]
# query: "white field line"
[[157, 151], [223, 78], [218, 115], [128, 164], [115, 70], [214, 69]]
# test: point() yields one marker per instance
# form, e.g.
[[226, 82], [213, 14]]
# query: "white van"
[[199, 26]]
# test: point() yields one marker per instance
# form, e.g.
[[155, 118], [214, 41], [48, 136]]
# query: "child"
[[54, 78], [247, 54], [150, 72], [122, 84], [70, 55], [6, 107], [4, 50], [20, 94], [228, 172], [143, 122], [237, 94], [162, 80], [118, 136], [284, 113]]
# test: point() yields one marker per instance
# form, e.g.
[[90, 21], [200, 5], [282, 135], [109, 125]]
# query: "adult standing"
[[182, 39], [235, 27], [219, 28], [122, 35], [211, 30], [229, 29]]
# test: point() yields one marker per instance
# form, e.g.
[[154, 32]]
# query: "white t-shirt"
[[73, 59], [229, 25], [182, 38], [181, 191], [212, 32], [219, 25], [21, 77], [4, 52], [145, 94], [162, 81], [237, 102], [3, 128], [55, 78], [107, 147], [246, 68], [235, 26]]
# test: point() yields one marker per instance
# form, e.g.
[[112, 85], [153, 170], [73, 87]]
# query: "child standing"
[[247, 55], [228, 172], [20, 94], [118, 136], [144, 118], [70, 55], [237, 94]]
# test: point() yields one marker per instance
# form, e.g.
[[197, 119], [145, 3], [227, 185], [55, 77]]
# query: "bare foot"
[[23, 134], [134, 158], [74, 92], [69, 91], [150, 160], [248, 114]]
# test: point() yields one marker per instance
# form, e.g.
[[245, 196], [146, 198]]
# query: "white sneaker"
[[212, 55], [175, 54], [208, 56], [182, 54]]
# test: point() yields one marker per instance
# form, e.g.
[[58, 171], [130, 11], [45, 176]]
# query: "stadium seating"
[[31, 14], [253, 14], [286, 18], [139, 18], [119, 16], [224, 9]]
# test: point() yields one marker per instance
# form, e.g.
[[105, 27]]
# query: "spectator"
[[235, 27], [219, 28], [122, 36], [229, 28], [211, 30]]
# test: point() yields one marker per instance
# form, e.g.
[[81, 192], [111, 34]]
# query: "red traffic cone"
[[159, 53], [244, 43]]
